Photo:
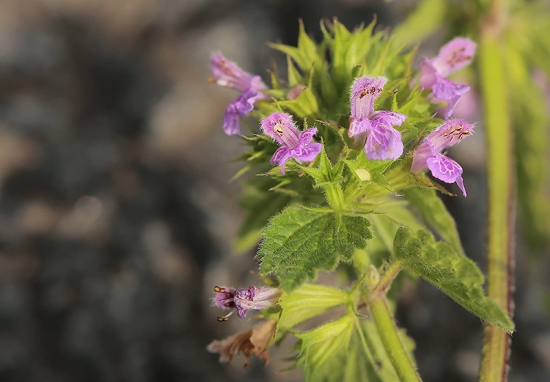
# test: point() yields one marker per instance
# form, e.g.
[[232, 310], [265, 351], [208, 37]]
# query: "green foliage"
[[435, 214], [308, 301], [360, 351], [321, 215], [458, 277], [320, 345], [299, 242]]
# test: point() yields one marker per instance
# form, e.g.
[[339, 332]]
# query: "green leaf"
[[298, 242], [294, 77], [305, 105], [260, 205], [457, 276], [435, 214], [322, 343], [308, 301], [363, 359]]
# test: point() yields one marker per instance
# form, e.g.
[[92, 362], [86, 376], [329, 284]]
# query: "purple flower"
[[227, 73], [243, 300], [294, 144], [382, 140], [428, 153], [453, 56]]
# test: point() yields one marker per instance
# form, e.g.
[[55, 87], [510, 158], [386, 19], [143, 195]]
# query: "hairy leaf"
[[299, 242], [434, 212], [323, 343], [309, 301], [457, 276]]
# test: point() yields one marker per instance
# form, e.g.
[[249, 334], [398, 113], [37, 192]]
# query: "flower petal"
[[447, 170], [307, 153], [359, 126], [280, 127], [281, 156], [227, 73], [448, 134], [243, 105], [364, 91], [306, 136], [454, 55], [390, 118], [428, 73], [383, 142]]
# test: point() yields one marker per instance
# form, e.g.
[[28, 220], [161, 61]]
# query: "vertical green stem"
[[392, 343], [496, 349]]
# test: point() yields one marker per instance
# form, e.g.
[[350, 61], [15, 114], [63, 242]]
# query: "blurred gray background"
[[117, 216]]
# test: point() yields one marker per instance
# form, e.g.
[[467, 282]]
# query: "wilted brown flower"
[[249, 342]]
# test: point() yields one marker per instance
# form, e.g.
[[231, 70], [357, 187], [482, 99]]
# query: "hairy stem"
[[496, 349], [387, 330]]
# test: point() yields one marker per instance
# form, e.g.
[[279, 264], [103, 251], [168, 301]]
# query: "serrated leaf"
[[299, 242], [309, 301], [435, 214], [457, 276]]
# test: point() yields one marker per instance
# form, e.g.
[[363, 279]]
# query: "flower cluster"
[[374, 129]]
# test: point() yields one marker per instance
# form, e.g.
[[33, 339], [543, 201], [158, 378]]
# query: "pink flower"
[[453, 56], [428, 153], [294, 143], [382, 140]]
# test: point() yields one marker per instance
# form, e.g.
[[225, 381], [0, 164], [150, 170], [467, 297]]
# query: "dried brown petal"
[[249, 342]]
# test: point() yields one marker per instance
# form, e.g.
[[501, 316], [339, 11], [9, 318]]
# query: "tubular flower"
[[294, 143], [227, 73], [243, 300], [428, 153], [382, 140], [453, 56]]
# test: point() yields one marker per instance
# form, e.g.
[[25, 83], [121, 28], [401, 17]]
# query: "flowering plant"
[[344, 150]]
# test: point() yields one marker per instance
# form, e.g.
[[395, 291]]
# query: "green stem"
[[335, 196], [389, 275], [501, 183], [390, 338]]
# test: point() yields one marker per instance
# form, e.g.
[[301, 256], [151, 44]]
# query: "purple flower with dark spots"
[[428, 153], [453, 56], [294, 143], [243, 300], [227, 73], [382, 140]]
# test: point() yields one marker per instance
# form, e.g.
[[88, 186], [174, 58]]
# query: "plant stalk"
[[501, 184], [404, 366]]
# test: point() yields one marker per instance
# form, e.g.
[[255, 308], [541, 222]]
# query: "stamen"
[[226, 317], [225, 68], [219, 289]]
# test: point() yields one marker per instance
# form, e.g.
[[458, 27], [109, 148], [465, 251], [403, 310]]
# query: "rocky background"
[[116, 212]]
